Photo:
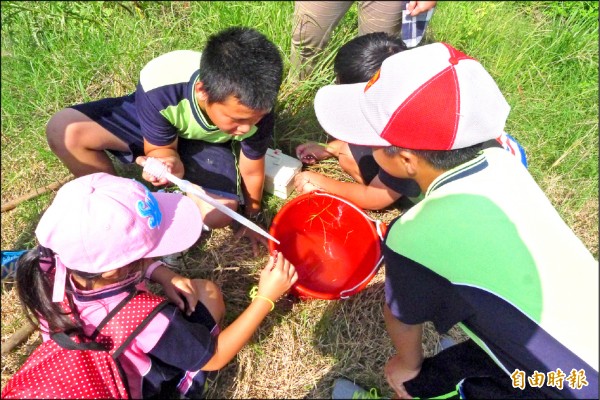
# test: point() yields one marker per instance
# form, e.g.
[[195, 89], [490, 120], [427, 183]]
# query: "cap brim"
[[181, 224], [339, 112]]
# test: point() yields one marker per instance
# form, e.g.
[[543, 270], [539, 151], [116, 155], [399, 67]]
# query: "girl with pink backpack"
[[97, 243]]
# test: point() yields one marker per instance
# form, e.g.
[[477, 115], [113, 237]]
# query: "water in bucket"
[[334, 246]]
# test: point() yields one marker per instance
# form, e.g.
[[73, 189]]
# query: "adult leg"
[[391, 17], [380, 16], [314, 22], [80, 142]]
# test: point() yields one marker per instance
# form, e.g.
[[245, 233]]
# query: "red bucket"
[[334, 245]]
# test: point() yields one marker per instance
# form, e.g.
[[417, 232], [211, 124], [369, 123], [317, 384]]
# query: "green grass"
[[547, 67], [544, 56]]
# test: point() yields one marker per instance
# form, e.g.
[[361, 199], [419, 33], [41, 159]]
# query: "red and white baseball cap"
[[432, 97], [101, 222]]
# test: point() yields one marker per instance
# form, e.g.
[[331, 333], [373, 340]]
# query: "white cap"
[[432, 97]]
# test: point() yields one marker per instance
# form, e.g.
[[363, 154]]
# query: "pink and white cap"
[[101, 222], [432, 97]]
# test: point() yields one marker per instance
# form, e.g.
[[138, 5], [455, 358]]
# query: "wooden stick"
[[18, 337], [34, 193]]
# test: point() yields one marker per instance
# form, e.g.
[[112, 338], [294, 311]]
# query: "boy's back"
[[521, 268]]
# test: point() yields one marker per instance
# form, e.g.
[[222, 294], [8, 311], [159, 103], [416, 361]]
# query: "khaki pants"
[[314, 21]]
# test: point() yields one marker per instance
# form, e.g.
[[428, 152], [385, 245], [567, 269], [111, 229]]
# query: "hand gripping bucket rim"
[[369, 228]]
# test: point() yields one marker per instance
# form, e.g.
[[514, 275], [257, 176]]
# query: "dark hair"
[[35, 283], [34, 287], [241, 62], [360, 58], [441, 159]]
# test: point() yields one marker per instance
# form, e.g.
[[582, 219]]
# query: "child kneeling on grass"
[[188, 110], [357, 61], [485, 248], [97, 240]]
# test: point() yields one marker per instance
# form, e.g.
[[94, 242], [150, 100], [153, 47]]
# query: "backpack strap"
[[119, 328], [138, 307], [113, 312], [64, 340]]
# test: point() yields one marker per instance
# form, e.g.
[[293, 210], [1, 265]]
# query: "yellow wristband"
[[258, 296], [254, 294]]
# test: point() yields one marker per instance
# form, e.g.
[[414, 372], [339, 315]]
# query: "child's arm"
[[374, 196], [275, 279], [156, 128], [253, 179], [406, 364], [177, 288]]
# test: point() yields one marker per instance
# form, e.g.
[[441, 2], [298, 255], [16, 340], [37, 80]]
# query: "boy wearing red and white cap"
[[484, 249]]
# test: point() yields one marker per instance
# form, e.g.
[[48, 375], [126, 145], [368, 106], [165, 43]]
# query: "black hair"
[[441, 159], [34, 288], [35, 284], [241, 62], [360, 58]]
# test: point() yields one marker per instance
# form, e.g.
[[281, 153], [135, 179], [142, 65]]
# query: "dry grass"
[[12, 319], [301, 347], [299, 350], [581, 218]]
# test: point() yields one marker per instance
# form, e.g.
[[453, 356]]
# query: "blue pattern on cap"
[[150, 209]]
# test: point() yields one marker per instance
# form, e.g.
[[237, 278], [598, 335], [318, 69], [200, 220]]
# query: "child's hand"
[[396, 374], [277, 277], [254, 237], [182, 287], [311, 152], [177, 289], [305, 182], [173, 164]]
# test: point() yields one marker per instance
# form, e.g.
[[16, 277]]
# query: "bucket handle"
[[381, 227], [343, 295]]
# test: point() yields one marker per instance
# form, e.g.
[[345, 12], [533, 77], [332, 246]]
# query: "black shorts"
[[466, 367], [212, 166], [202, 316]]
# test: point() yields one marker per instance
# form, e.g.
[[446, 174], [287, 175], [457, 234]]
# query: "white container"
[[280, 170]]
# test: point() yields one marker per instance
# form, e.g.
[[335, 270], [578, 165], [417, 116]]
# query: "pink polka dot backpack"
[[66, 367]]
